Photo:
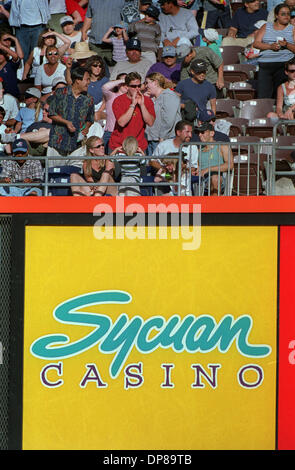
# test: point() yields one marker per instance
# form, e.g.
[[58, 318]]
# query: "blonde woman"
[[167, 109], [98, 171]]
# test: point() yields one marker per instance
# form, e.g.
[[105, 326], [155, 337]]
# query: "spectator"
[[117, 37], [68, 30], [10, 105], [133, 112], [111, 90], [169, 67], [285, 102], [276, 44], [37, 134], [135, 63], [94, 171], [271, 14], [96, 68], [48, 71], [38, 55], [213, 161], [197, 89], [100, 16], [72, 112], [207, 116], [243, 23], [192, 5], [31, 112], [77, 10], [11, 46], [8, 73], [3, 128], [218, 14], [143, 6], [167, 110], [214, 63], [212, 39], [29, 18], [148, 31], [176, 23], [21, 171], [130, 170], [57, 10], [183, 134]]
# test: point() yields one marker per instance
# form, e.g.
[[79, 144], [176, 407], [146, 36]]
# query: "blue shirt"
[[95, 91], [244, 22], [199, 93], [8, 74], [27, 117], [104, 14]]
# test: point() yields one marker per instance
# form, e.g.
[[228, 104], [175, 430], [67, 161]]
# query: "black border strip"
[[19, 223]]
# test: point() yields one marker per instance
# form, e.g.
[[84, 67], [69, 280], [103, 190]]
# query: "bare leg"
[[79, 190]]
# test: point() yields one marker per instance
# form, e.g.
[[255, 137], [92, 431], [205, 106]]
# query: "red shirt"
[[135, 127], [73, 6]]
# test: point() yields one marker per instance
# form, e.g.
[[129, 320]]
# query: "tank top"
[[289, 100], [211, 157], [272, 35]]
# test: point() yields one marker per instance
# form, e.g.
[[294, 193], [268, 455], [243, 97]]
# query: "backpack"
[[130, 11]]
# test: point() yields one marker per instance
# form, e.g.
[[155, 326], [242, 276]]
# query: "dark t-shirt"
[[8, 74], [244, 22], [199, 93]]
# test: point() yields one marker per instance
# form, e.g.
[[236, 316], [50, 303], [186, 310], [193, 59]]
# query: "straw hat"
[[82, 51]]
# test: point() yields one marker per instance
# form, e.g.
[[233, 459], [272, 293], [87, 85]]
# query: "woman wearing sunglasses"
[[285, 104], [37, 57], [98, 171], [48, 71], [276, 41]]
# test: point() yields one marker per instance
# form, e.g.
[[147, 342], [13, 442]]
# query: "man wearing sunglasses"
[[133, 112]]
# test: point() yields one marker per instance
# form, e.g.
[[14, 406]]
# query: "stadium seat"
[[238, 126], [261, 127], [241, 91], [225, 107], [257, 108], [61, 174], [244, 145], [281, 141], [238, 72], [231, 54], [248, 175]]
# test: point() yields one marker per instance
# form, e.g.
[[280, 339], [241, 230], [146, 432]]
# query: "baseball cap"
[[19, 145], [133, 43], [206, 126], [211, 34], [66, 19], [153, 11], [198, 66], [183, 48], [205, 115], [33, 92], [169, 51], [146, 2], [58, 80]]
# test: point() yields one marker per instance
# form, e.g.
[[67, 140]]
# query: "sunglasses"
[[135, 86], [98, 146], [52, 53], [96, 65], [291, 70]]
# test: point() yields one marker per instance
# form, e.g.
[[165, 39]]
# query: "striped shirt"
[[148, 34], [272, 35], [119, 49], [104, 14]]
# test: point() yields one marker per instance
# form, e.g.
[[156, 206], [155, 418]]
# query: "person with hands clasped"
[[133, 112], [276, 41], [285, 104]]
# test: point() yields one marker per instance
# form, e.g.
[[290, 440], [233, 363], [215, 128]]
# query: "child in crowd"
[[212, 39], [117, 36], [169, 173], [68, 30], [148, 32], [29, 113]]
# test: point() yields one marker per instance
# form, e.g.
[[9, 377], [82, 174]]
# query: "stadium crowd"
[[114, 79]]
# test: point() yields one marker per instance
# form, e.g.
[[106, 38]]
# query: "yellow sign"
[[140, 344]]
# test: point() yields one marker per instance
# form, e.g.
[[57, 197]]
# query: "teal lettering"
[[192, 334]]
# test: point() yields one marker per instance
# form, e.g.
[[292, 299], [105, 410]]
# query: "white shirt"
[[167, 147], [10, 104], [57, 6], [44, 80]]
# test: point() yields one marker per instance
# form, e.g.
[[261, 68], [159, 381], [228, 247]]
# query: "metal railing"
[[253, 173]]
